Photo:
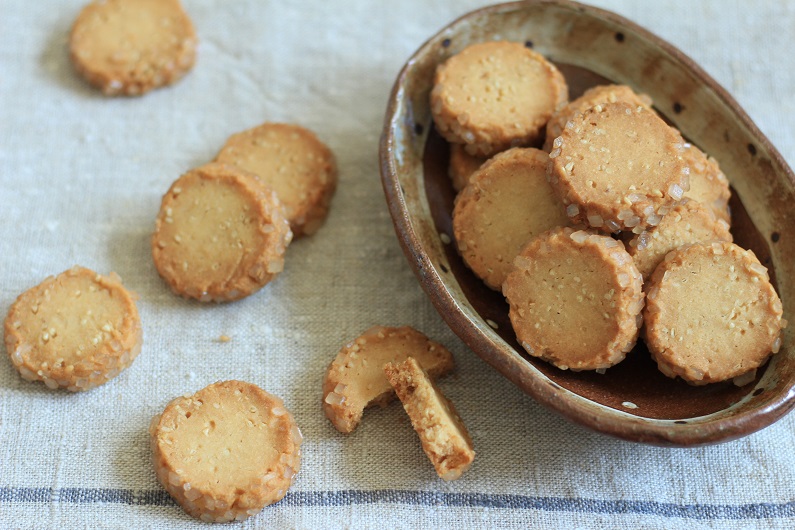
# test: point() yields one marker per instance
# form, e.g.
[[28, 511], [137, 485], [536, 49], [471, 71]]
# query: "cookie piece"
[[226, 451], [443, 436], [575, 299], [618, 167], [689, 222], [495, 95], [355, 379], [220, 235], [294, 163], [462, 166], [711, 313], [708, 184], [76, 330], [129, 47], [593, 96], [506, 203]]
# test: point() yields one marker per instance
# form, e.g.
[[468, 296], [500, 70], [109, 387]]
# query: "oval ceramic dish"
[[633, 400]]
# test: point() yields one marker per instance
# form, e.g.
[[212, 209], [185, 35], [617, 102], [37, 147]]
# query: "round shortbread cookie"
[[601, 94], [128, 47], [495, 95], [294, 163], [711, 313], [220, 235], [686, 223], [355, 378], [462, 166], [506, 203], [575, 299], [76, 330], [708, 184], [226, 451], [618, 167]]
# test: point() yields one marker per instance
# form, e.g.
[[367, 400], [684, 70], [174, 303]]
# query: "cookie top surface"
[[220, 235], [495, 95], [620, 167], [294, 163], [711, 313], [601, 94], [575, 299], [229, 447], [506, 203], [708, 184], [132, 46], [75, 330], [462, 166], [355, 379], [690, 222], [443, 436]]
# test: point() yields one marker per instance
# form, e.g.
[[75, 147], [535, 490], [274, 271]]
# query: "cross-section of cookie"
[[462, 166], [575, 299], [618, 167], [712, 314], [507, 202], [686, 223], [294, 163], [226, 451], [598, 95], [443, 436], [355, 379], [495, 95], [708, 184], [76, 330], [221, 234], [129, 47]]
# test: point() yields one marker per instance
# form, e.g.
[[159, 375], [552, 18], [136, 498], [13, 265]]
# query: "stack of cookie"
[[616, 221]]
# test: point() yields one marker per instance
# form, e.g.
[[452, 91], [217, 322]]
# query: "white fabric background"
[[81, 177]]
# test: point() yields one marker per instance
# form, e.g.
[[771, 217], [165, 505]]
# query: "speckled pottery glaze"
[[633, 400]]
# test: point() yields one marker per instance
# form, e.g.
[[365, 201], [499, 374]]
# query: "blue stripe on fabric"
[[424, 498]]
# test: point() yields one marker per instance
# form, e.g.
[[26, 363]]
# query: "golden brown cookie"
[[129, 47], [708, 184], [76, 330], [593, 96], [462, 166], [294, 163], [443, 436], [711, 313], [618, 167], [495, 95], [506, 203], [355, 379], [220, 235], [226, 451], [575, 299], [686, 223]]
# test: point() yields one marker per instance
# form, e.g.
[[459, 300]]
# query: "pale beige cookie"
[[506, 203], [711, 313], [593, 96], [294, 163], [618, 167], [575, 299], [686, 223], [226, 451], [76, 330], [355, 379], [495, 95], [443, 436], [220, 235], [708, 184], [129, 47], [462, 166]]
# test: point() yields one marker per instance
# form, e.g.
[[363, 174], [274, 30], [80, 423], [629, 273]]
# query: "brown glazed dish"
[[633, 400]]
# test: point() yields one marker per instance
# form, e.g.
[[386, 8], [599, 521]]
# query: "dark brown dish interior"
[[635, 380]]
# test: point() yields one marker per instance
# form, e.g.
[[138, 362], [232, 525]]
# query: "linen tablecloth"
[[81, 176]]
